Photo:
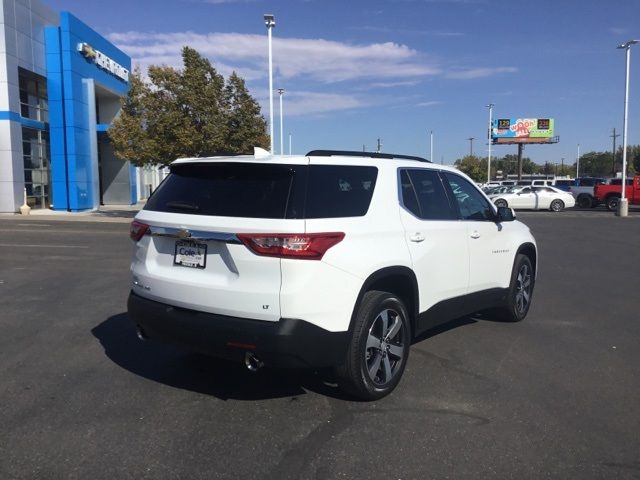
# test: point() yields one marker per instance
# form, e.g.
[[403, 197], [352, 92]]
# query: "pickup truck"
[[610, 194], [582, 191]]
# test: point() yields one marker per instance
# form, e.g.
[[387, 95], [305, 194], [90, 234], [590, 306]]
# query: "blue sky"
[[354, 71]]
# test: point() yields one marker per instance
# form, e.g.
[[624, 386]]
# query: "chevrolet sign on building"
[[104, 62]]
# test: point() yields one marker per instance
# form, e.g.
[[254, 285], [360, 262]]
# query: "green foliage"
[[473, 167], [186, 113]]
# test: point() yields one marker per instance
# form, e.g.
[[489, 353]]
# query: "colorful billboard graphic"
[[522, 128]]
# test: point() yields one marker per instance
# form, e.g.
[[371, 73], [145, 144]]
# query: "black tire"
[[375, 347], [612, 203], [501, 203], [557, 205], [514, 310], [585, 201]]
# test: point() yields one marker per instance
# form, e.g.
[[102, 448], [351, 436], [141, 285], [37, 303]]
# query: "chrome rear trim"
[[187, 234]]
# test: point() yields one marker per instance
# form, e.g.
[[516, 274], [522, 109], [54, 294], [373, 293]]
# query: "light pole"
[[471, 139], [431, 148], [281, 93], [289, 143], [270, 22], [623, 207], [490, 107], [578, 163]]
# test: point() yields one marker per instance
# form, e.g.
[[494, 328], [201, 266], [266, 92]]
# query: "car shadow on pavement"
[[203, 374]]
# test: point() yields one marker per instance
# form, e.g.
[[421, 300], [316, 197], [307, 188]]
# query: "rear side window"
[[228, 190], [339, 191], [424, 195]]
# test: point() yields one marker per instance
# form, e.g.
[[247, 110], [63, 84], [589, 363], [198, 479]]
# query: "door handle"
[[417, 237], [475, 234]]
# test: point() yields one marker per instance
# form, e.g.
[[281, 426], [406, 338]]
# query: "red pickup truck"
[[610, 193]]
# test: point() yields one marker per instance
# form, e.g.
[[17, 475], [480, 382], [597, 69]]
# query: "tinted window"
[[564, 183], [339, 191], [589, 182], [426, 187], [408, 194], [229, 190], [265, 191], [618, 181], [471, 203]]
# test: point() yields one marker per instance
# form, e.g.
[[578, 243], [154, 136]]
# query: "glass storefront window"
[[34, 103], [35, 149]]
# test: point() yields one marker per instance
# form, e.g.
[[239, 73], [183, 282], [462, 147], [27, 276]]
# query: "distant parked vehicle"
[[535, 198], [582, 191], [610, 193]]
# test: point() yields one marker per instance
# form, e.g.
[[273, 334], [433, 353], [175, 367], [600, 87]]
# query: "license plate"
[[190, 254]]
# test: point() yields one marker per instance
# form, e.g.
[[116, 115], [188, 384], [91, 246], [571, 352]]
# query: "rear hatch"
[[189, 251]]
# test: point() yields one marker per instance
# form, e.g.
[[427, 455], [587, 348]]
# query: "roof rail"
[[348, 153]]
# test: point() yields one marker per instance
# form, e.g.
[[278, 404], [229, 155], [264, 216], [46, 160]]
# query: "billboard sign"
[[522, 130]]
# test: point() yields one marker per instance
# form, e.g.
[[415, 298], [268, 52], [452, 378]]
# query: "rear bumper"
[[286, 343]]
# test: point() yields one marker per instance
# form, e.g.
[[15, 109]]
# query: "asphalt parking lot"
[[556, 396]]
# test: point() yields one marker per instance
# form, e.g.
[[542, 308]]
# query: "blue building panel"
[[72, 114]]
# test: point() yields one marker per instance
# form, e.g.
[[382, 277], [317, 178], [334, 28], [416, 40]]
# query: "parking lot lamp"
[[623, 206], [281, 93], [578, 162], [270, 22]]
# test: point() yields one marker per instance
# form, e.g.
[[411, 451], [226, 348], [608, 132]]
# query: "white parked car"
[[333, 259], [535, 198]]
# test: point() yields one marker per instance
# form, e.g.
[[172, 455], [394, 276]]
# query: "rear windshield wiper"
[[182, 206]]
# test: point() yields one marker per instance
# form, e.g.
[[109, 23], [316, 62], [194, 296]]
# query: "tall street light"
[[281, 93], [623, 207], [578, 163], [490, 107], [270, 22]]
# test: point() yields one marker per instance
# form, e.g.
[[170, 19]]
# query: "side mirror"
[[506, 214]]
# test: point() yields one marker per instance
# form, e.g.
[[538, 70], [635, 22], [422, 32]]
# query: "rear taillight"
[[137, 230], [309, 246]]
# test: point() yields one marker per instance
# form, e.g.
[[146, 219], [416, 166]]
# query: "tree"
[[246, 128], [472, 166], [190, 112]]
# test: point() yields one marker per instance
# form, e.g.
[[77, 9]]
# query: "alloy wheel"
[[523, 289], [384, 352]]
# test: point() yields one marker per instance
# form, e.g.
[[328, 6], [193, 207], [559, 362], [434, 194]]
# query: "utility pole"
[[379, 146], [578, 163], [471, 139], [289, 144], [613, 164], [562, 167], [363, 148]]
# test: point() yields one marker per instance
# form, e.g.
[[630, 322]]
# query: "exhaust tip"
[[140, 333], [252, 362]]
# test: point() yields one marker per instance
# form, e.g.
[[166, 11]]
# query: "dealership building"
[[60, 89]]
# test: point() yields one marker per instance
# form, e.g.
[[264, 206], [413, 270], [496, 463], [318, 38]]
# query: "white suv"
[[333, 259]]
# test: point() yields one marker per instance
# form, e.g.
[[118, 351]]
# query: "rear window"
[[265, 191]]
